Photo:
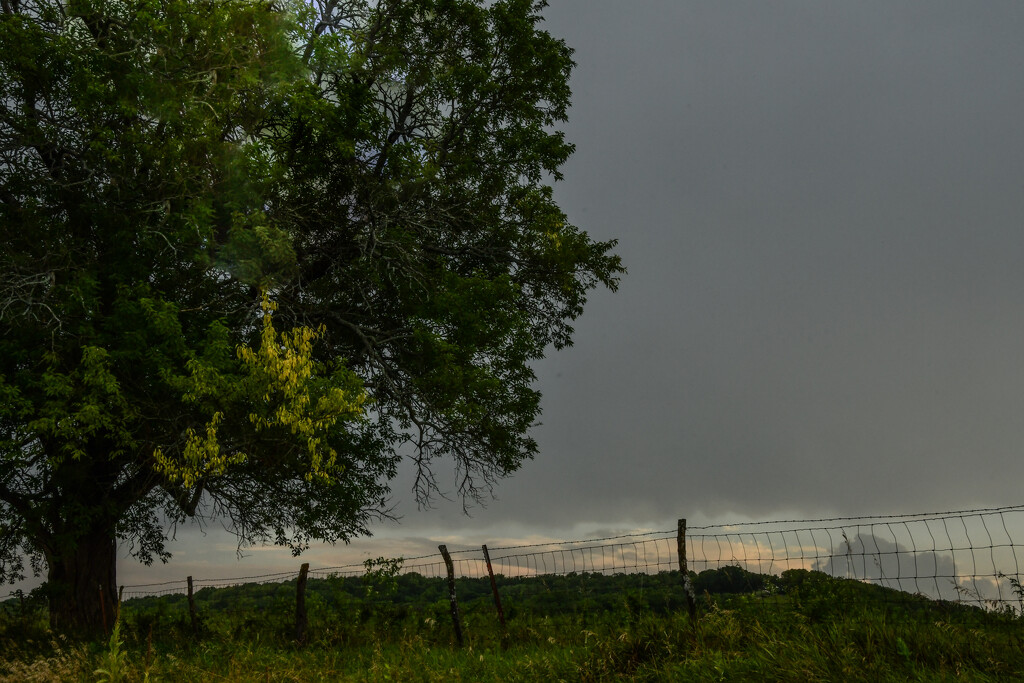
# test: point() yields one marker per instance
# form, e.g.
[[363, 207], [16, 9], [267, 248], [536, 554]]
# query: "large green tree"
[[252, 254]]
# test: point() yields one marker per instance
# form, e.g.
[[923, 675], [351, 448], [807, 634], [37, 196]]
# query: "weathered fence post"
[[691, 605], [192, 615], [497, 600], [456, 622], [301, 619]]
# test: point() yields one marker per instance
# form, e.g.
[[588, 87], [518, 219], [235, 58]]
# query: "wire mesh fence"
[[629, 554], [181, 587], [967, 557]]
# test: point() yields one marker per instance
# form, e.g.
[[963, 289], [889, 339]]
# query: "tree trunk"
[[82, 585]]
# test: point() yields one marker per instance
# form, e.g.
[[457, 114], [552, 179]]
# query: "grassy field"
[[821, 630]]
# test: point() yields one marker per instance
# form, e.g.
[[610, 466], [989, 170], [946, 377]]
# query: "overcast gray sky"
[[820, 206]]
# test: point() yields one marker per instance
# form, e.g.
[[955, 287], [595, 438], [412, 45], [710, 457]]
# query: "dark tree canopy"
[[251, 253]]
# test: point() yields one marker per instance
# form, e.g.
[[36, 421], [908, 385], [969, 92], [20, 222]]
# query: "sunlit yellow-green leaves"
[[279, 388], [294, 398]]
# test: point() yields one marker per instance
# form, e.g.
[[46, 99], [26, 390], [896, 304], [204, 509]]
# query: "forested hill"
[[545, 595]]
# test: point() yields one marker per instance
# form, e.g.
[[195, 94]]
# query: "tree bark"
[[82, 585]]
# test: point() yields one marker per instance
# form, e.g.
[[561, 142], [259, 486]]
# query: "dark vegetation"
[[802, 625]]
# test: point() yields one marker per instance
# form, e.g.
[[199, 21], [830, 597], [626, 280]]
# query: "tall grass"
[[819, 634]]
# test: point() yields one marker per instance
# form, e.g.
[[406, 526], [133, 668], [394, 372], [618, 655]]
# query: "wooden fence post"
[[691, 605], [497, 600], [301, 619], [192, 615], [456, 622]]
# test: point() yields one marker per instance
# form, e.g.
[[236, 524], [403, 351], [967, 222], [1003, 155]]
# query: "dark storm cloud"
[[820, 206]]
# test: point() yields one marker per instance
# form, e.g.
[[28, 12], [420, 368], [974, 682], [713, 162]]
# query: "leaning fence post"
[[301, 619], [451, 593], [691, 606], [193, 617], [497, 599]]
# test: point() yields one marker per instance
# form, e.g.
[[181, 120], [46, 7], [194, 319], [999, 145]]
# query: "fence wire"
[[655, 553], [968, 557]]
